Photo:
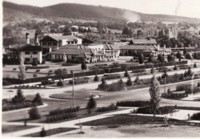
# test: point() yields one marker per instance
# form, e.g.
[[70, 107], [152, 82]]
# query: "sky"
[[188, 8]]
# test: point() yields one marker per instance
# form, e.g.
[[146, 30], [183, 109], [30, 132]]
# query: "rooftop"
[[143, 41], [30, 47]]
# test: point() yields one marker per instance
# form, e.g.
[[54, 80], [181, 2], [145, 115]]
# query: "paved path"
[[70, 124]]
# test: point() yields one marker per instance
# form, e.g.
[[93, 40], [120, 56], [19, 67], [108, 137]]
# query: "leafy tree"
[[19, 97], [60, 73], [34, 113], [83, 65], [164, 75], [43, 132], [60, 83], [141, 59], [179, 56], [121, 84], [37, 100], [175, 67], [150, 58], [96, 78], [169, 91], [91, 104], [137, 80], [154, 91], [152, 70], [127, 31], [129, 81], [161, 58], [198, 84], [189, 72], [188, 56], [170, 58]]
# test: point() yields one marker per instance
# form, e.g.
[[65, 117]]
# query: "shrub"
[[19, 97], [129, 81], [133, 103], [47, 82], [195, 116], [108, 108], [91, 104], [33, 113], [37, 100], [60, 83], [96, 78], [188, 56], [152, 70], [126, 74], [37, 70], [43, 132], [198, 84], [60, 117], [137, 80]]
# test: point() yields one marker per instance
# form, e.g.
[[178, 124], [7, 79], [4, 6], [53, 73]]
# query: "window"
[[35, 59], [27, 53], [54, 44], [35, 52], [44, 43], [49, 43]]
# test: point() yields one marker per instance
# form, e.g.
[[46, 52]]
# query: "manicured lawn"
[[129, 120], [13, 128], [51, 132]]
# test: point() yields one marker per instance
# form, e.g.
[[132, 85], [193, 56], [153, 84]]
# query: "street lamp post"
[[73, 88]]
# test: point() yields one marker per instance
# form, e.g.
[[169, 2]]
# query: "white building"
[[54, 42]]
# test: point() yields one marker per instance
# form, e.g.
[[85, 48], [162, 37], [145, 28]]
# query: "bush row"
[[133, 103], [111, 76], [36, 67], [60, 117], [64, 111], [120, 69], [40, 79], [108, 108], [174, 95], [79, 80], [161, 110], [17, 106]]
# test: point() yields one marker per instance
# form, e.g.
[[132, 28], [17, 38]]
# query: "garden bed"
[[133, 103], [51, 132], [195, 116]]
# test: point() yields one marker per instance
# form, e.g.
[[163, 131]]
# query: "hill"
[[15, 13]]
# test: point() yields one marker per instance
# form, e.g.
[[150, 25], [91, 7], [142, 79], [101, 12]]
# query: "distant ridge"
[[17, 13]]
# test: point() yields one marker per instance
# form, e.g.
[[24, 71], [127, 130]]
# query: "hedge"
[[161, 110], [79, 80], [111, 76], [40, 79], [60, 117], [133, 103], [108, 108], [36, 67], [174, 95], [17, 106], [62, 111]]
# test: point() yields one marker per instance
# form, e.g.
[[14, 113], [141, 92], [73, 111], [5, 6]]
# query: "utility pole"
[[165, 86]]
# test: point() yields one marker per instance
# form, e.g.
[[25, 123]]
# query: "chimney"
[[27, 38], [36, 39]]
